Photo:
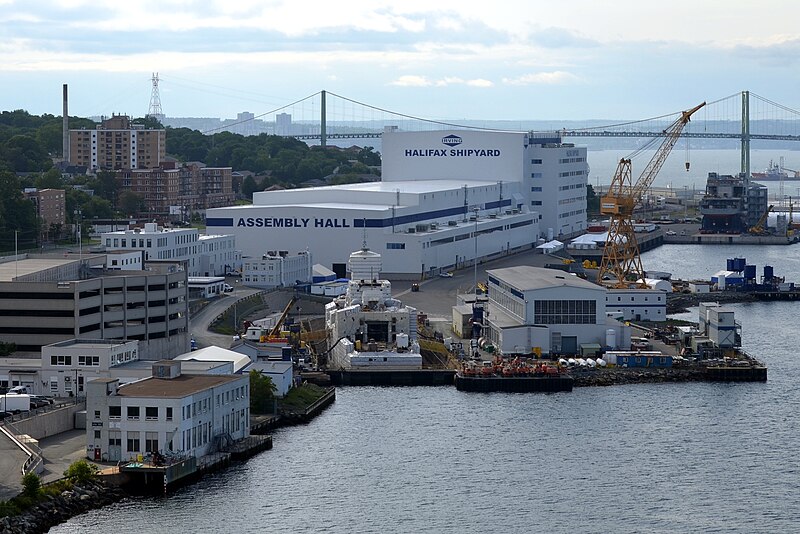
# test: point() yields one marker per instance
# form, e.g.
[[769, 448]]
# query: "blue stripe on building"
[[384, 223]]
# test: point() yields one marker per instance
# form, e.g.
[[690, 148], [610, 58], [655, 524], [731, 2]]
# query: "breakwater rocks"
[[54, 510], [618, 377]]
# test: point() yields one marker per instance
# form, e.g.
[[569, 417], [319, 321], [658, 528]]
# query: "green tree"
[[262, 393], [81, 471], [368, 157], [249, 186], [23, 153], [130, 203], [50, 180], [31, 485]]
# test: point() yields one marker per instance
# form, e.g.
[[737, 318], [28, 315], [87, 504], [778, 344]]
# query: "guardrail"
[[42, 409], [34, 463]]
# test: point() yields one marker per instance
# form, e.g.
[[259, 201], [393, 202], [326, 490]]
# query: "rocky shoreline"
[[54, 510], [618, 377]]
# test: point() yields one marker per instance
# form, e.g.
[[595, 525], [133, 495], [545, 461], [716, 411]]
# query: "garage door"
[[569, 344]]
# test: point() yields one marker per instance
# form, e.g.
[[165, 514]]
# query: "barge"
[[515, 376]]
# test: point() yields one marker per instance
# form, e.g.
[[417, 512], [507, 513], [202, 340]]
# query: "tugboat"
[[513, 376]]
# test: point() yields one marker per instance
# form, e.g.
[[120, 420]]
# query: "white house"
[[277, 268], [169, 412], [279, 371], [638, 304], [68, 365]]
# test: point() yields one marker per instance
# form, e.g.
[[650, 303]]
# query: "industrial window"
[[536, 161], [536, 202], [114, 438], [395, 246], [60, 360], [536, 189], [150, 441], [114, 412], [169, 413], [133, 412], [91, 361], [565, 312], [133, 442], [96, 434], [151, 413]]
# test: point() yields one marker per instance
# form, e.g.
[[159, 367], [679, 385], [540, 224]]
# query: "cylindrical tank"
[[601, 362], [769, 274], [730, 265], [749, 272], [739, 264], [611, 338]]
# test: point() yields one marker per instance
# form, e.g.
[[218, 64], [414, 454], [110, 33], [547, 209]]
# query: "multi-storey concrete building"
[[50, 207], [204, 255], [68, 365], [47, 300], [178, 191], [117, 144], [170, 412], [277, 268]]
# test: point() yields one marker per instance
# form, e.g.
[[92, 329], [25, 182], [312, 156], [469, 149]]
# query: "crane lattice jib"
[[671, 135]]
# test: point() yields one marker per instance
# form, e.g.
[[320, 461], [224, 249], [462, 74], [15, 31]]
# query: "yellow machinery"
[[621, 260], [276, 330], [760, 228]]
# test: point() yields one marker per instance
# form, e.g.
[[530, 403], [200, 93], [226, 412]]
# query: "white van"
[[19, 390]]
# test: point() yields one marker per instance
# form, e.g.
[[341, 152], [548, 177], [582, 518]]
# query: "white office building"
[[546, 311], [68, 365], [169, 412], [638, 304], [277, 268], [443, 194], [205, 255]]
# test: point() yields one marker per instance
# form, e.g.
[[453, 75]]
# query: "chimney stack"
[[65, 128]]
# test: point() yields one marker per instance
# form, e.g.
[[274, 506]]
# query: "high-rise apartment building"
[[117, 144]]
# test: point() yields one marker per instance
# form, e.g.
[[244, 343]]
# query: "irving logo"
[[451, 140]]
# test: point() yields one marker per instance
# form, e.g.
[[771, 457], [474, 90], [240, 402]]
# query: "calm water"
[[642, 458]]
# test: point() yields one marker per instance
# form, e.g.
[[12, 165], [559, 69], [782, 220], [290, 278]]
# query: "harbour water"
[[691, 457]]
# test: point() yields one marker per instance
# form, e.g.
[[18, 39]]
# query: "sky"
[[445, 60]]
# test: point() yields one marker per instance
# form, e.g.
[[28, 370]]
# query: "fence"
[[34, 463]]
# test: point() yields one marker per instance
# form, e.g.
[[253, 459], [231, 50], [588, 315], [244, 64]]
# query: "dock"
[[521, 384], [392, 377]]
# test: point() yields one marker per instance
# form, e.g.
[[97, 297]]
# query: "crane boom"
[[621, 259]]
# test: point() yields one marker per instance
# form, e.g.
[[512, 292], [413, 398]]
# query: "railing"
[[34, 463]]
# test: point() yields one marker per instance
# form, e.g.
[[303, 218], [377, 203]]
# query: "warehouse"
[[441, 196], [548, 312]]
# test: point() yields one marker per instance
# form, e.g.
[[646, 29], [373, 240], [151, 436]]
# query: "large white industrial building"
[[440, 190]]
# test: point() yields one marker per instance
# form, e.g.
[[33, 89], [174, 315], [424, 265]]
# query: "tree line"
[[29, 145]]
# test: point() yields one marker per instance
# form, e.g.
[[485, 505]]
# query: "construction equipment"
[[276, 330], [621, 260], [760, 228]]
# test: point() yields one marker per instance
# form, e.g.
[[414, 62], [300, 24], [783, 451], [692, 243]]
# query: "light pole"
[[78, 236], [475, 275]]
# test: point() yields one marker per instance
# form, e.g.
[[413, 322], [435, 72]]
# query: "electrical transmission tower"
[[155, 111]]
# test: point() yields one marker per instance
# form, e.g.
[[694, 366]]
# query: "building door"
[[569, 344]]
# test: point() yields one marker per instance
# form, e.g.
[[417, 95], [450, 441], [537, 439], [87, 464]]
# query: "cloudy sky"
[[464, 59]]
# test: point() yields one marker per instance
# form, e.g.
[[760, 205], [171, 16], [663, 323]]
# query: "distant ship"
[[776, 172]]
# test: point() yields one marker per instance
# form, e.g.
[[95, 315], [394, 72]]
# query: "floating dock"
[[514, 384], [392, 377]]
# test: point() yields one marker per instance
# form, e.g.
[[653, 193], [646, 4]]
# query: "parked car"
[[18, 390], [227, 288], [671, 232], [446, 275], [38, 403], [41, 398]]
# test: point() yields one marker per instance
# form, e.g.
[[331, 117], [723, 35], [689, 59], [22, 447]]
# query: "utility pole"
[[475, 275]]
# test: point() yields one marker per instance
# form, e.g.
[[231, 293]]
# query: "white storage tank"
[[402, 341], [611, 338]]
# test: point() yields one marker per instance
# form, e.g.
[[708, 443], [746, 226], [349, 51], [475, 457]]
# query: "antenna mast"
[[155, 111]]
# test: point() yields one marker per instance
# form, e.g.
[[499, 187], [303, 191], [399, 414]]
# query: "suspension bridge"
[[325, 116]]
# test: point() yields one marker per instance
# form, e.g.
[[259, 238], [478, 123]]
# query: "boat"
[[776, 172], [513, 376]]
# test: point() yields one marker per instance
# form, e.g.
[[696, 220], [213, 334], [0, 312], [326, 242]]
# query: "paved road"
[[11, 461], [437, 296], [61, 450], [199, 322]]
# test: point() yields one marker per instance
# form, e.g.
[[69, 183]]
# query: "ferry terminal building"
[[443, 195]]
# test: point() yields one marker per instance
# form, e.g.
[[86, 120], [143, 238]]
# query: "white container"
[[611, 338]]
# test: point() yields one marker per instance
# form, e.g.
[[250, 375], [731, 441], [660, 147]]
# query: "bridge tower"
[[746, 134], [322, 126], [155, 101]]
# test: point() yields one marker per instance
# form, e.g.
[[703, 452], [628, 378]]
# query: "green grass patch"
[[299, 398]]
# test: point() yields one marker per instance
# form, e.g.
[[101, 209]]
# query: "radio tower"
[[155, 101]]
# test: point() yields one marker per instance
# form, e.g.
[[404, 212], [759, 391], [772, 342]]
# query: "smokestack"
[[65, 128]]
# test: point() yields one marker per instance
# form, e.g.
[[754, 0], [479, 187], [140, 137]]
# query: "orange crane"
[[621, 260]]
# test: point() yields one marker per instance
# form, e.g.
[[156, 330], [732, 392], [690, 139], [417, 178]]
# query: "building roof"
[[174, 388], [218, 354], [527, 278], [13, 269]]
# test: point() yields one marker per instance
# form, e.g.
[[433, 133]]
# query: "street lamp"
[[475, 275], [78, 237]]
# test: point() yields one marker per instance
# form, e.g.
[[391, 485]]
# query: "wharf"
[[392, 377], [514, 384]]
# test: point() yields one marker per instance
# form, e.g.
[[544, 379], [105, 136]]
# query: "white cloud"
[[479, 82], [542, 78], [411, 81]]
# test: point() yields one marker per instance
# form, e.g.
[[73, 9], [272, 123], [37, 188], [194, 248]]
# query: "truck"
[[15, 403]]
